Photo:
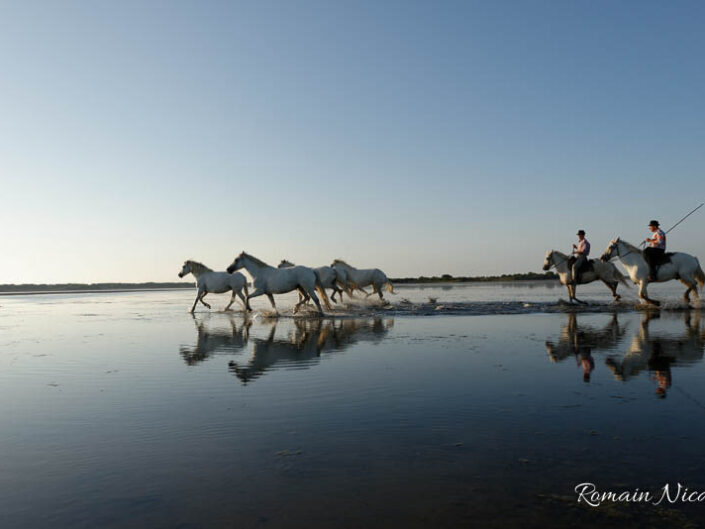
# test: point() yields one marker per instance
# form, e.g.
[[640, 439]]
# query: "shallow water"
[[123, 410]]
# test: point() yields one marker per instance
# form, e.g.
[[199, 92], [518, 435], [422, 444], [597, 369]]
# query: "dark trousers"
[[579, 262], [653, 256]]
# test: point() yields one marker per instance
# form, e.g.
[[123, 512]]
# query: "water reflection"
[[305, 343], [579, 341], [217, 335], [656, 351], [653, 348]]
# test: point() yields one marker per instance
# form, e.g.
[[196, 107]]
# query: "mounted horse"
[[269, 280], [595, 269], [678, 265], [216, 282]]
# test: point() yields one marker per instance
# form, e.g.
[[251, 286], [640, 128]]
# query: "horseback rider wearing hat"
[[657, 247], [581, 251]]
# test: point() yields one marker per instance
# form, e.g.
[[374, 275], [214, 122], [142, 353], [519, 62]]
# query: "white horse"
[[269, 280], [363, 277], [605, 272], [345, 282], [681, 266], [326, 277], [216, 282]]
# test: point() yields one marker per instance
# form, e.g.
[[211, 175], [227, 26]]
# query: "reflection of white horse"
[[269, 280], [213, 339], [216, 282], [658, 353], [605, 272], [575, 338], [304, 346], [363, 277], [326, 277], [681, 266]]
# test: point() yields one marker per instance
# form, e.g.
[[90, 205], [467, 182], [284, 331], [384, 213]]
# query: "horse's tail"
[[699, 274], [390, 288]]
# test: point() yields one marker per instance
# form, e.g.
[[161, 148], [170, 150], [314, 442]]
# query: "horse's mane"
[[340, 261], [561, 254], [254, 259], [629, 245], [197, 267], [285, 263]]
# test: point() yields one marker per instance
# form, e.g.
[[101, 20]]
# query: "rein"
[[556, 264]]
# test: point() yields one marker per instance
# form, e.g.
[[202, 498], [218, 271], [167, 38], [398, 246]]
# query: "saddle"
[[588, 266]]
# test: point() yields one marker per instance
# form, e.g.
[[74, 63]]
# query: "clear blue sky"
[[418, 137]]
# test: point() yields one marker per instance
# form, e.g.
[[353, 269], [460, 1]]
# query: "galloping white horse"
[[682, 266], [605, 272], [363, 277], [326, 277], [216, 282], [269, 280]]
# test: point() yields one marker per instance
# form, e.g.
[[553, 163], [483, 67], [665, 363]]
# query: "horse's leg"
[[692, 287], [324, 297], [232, 300], [254, 294], [244, 300], [572, 294], [303, 298], [314, 297], [643, 294], [332, 296], [352, 287], [201, 299], [613, 288], [198, 296], [379, 292], [271, 300]]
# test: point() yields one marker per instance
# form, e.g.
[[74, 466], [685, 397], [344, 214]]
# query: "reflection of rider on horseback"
[[581, 251], [657, 247]]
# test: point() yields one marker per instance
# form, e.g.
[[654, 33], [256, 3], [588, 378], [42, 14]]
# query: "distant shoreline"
[[78, 288], [447, 278]]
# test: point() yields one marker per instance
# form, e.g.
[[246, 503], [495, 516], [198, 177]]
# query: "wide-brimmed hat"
[[654, 223], [581, 232]]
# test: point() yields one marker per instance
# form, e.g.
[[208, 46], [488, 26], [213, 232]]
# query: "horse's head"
[[186, 269], [237, 263], [548, 261], [285, 264], [611, 250]]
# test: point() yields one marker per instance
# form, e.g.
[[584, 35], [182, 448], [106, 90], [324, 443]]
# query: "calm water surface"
[[123, 410]]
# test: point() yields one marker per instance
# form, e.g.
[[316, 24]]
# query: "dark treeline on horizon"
[[35, 287], [447, 278]]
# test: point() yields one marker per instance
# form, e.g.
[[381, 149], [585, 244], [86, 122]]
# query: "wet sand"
[[123, 410]]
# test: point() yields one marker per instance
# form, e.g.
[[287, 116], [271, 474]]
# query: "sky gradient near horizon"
[[422, 138]]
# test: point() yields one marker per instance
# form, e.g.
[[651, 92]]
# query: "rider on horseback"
[[657, 247], [581, 251]]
